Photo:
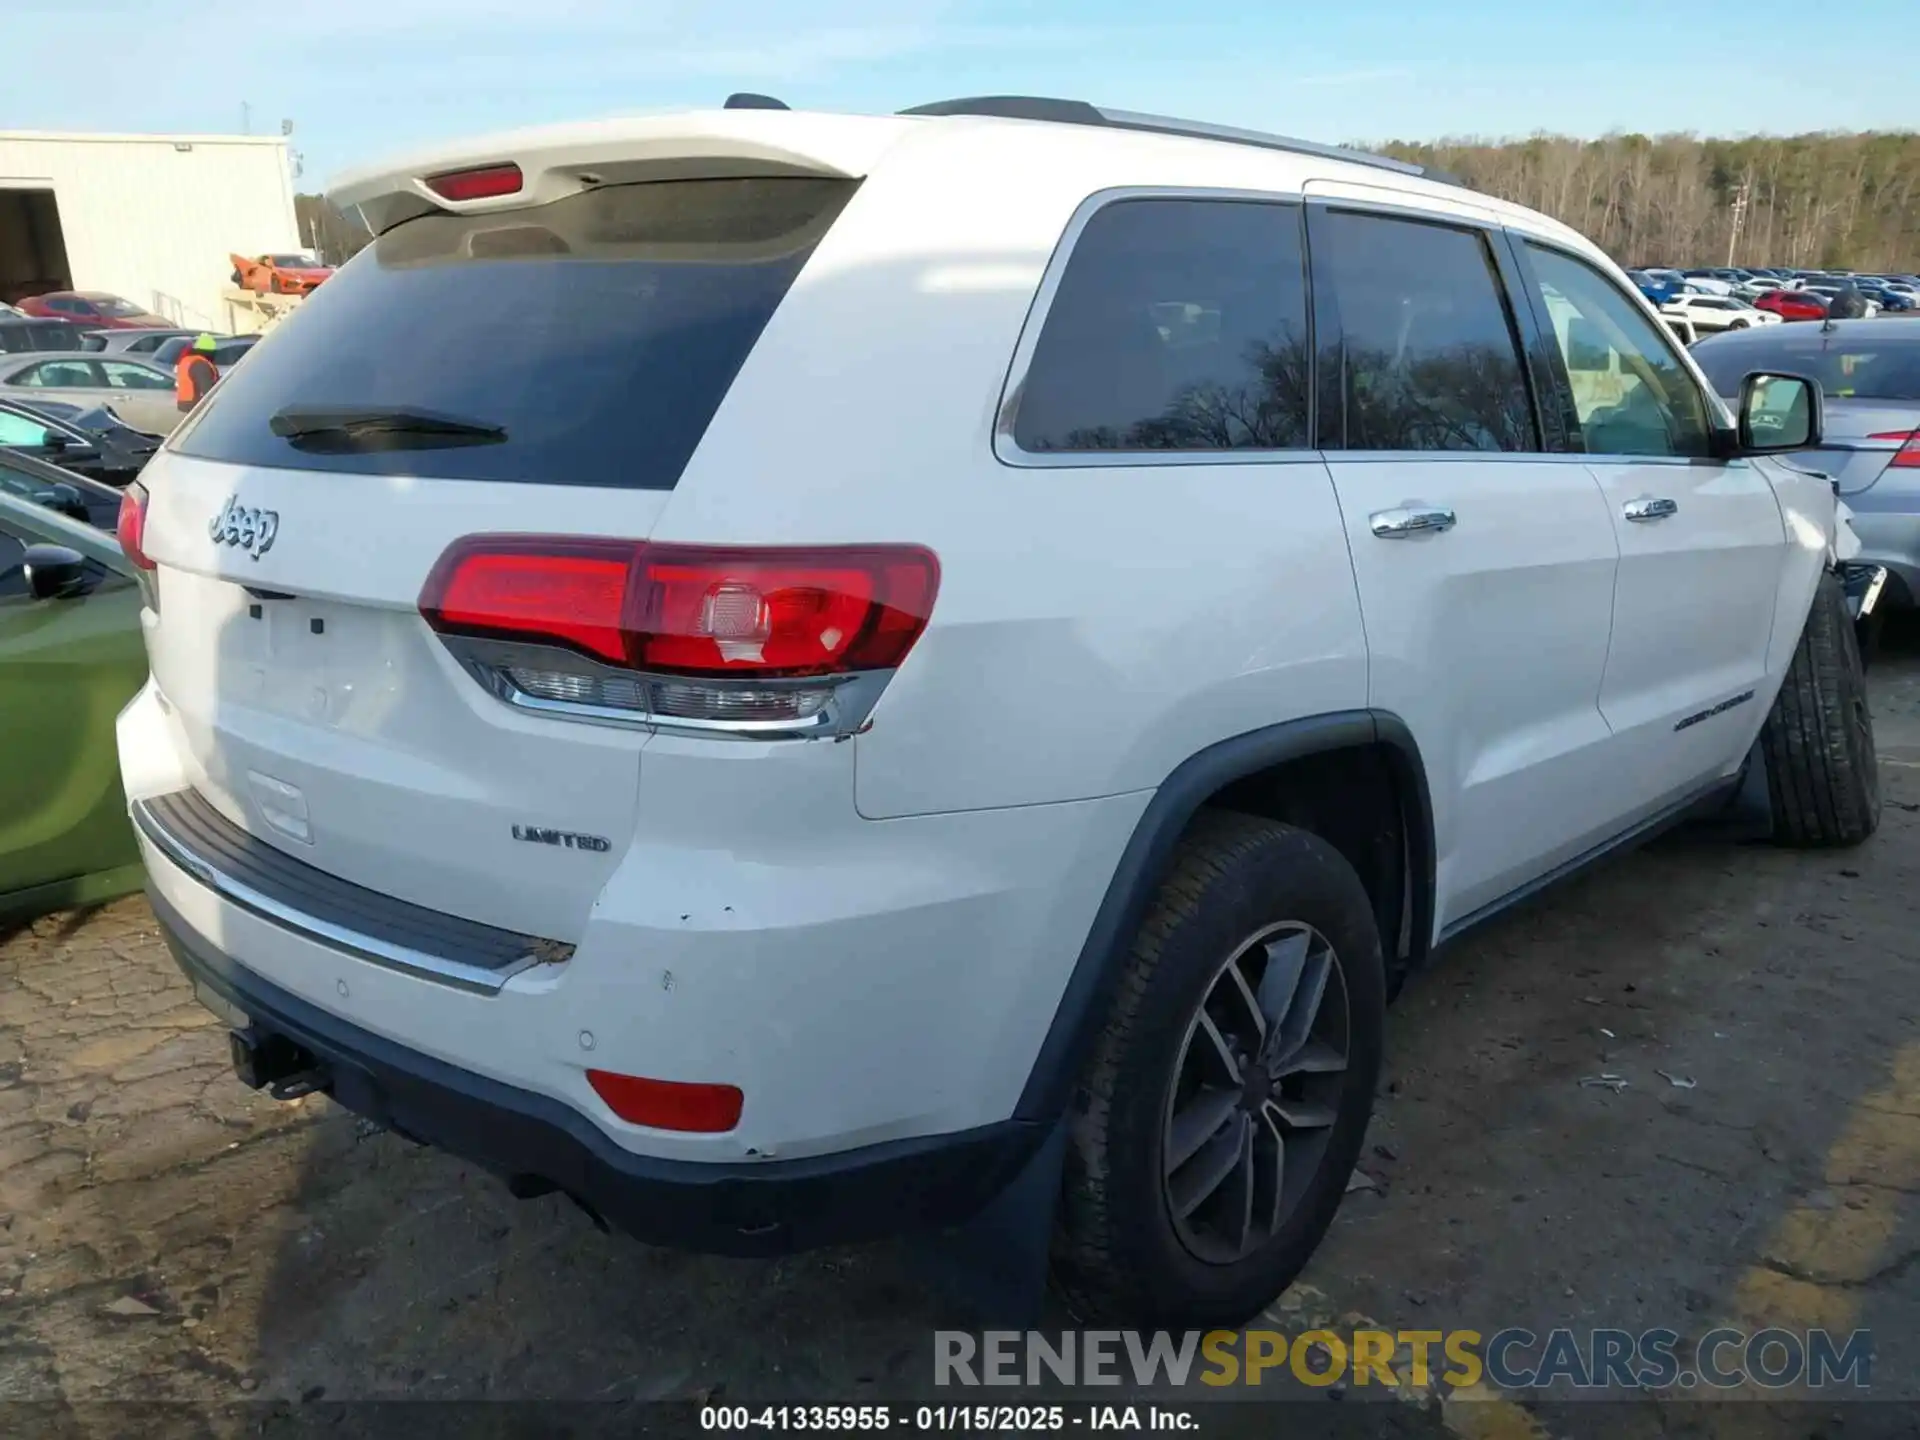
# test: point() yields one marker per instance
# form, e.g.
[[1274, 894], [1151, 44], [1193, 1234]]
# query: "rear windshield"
[[588, 341], [1850, 368]]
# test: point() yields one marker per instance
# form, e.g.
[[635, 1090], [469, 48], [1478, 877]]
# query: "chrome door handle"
[[1410, 520], [1649, 507]]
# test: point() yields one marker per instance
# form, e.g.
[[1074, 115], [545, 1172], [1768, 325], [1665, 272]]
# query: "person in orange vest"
[[194, 373]]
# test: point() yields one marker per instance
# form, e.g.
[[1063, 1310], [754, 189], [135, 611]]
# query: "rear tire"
[[1255, 919], [1823, 776]]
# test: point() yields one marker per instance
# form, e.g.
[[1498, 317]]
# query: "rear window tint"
[[598, 334], [1178, 325]]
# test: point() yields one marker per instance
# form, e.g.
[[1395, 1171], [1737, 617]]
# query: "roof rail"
[[1079, 112]]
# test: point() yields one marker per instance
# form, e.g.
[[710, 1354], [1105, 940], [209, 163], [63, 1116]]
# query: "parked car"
[[1832, 290], [70, 658], [90, 440], [1885, 296], [63, 491], [130, 342], [1658, 290], [1869, 374], [1793, 304], [227, 352], [1713, 313], [1054, 817], [94, 310], [1681, 328], [28, 335], [279, 274], [1705, 282], [140, 394]]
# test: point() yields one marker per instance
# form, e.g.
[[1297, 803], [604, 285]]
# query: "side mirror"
[[1779, 413], [69, 501], [54, 572]]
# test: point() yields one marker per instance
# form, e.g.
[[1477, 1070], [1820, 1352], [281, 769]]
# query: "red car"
[[1793, 304], [93, 310]]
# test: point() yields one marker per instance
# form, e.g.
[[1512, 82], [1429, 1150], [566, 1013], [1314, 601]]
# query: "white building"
[[151, 218]]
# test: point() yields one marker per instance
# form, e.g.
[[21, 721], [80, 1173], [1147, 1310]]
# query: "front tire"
[[1229, 1094], [1736, 324], [1823, 776]]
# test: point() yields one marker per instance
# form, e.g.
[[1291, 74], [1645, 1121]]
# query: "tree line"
[[1828, 201]]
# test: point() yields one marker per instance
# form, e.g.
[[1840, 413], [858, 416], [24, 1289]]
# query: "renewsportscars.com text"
[[1510, 1359]]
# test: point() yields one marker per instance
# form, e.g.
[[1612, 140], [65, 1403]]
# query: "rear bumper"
[[538, 1142]]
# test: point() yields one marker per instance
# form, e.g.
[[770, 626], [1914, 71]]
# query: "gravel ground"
[[165, 1235]]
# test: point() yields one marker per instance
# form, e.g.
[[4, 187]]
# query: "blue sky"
[[367, 77]]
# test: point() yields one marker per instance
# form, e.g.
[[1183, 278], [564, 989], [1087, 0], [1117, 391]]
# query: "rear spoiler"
[[557, 161]]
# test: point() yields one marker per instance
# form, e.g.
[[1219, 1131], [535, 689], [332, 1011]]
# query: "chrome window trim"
[[1009, 452], [1513, 457], [407, 961], [487, 661]]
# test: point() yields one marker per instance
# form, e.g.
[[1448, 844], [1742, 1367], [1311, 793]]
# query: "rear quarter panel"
[[1095, 626]]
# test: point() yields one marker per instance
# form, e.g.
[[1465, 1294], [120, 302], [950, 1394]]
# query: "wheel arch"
[[1149, 852]]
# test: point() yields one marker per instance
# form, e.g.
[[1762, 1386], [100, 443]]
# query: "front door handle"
[[1410, 520], [1650, 507]]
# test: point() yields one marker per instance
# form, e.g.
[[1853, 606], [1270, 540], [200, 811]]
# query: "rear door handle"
[[1650, 507], [1410, 520]]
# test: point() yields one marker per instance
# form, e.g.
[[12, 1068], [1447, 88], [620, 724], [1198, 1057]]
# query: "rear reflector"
[[669, 1104], [132, 526], [486, 182], [755, 613], [1907, 457]]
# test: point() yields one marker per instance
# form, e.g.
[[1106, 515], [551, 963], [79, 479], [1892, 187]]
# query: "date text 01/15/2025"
[[992, 1419]]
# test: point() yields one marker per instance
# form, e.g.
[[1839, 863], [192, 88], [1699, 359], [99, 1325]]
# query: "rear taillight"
[[749, 639], [1907, 457], [132, 527], [485, 182]]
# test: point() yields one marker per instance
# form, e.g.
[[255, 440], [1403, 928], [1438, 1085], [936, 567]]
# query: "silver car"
[[141, 394], [129, 342], [1869, 374]]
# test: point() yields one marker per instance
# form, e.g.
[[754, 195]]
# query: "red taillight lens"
[[570, 592], [706, 612], [1907, 457], [486, 182], [669, 1104], [132, 526], [690, 610]]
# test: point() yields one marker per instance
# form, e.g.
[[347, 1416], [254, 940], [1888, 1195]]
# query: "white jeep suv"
[[778, 673]]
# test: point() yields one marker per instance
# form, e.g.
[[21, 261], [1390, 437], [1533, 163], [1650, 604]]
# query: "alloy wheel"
[[1255, 1092]]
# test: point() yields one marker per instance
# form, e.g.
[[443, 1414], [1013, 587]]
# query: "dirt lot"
[[166, 1235]]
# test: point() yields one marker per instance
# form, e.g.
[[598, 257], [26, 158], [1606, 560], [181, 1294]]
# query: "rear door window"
[[1177, 325], [1431, 361], [62, 374], [587, 341]]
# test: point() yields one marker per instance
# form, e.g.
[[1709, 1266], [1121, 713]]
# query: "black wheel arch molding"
[[1144, 864]]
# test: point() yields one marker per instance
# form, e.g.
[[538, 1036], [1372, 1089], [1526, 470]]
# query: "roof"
[[999, 135], [1895, 332]]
